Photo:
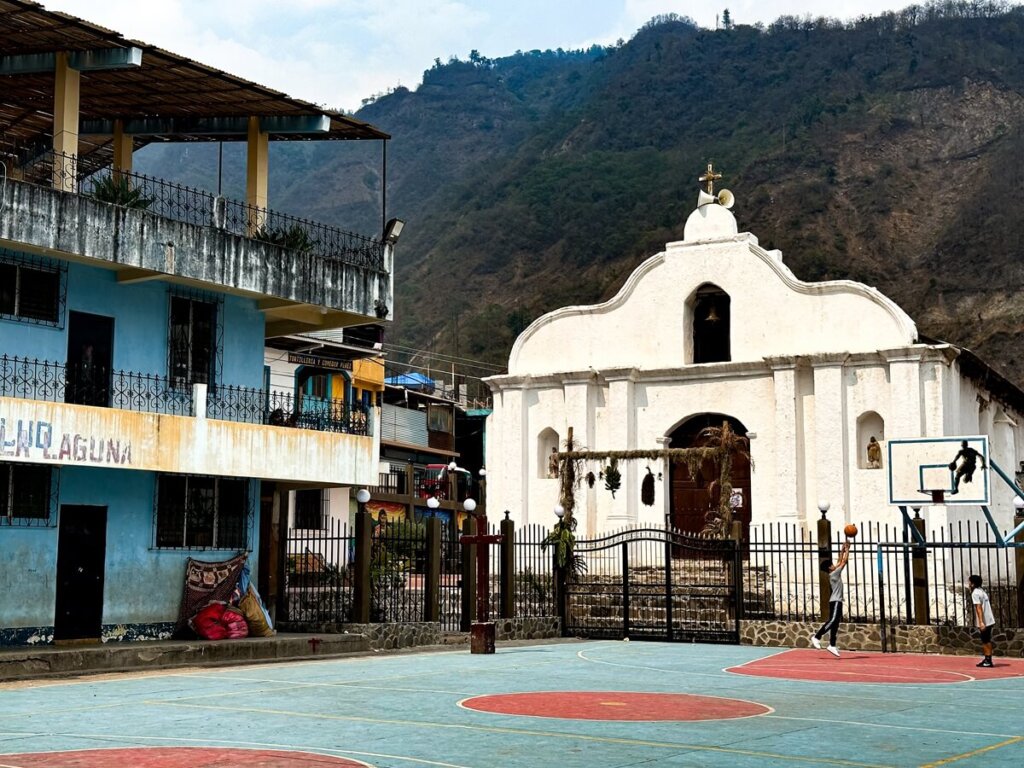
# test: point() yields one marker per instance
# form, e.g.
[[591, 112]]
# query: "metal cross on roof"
[[710, 177]]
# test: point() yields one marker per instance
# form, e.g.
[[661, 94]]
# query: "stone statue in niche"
[[874, 454], [553, 463]]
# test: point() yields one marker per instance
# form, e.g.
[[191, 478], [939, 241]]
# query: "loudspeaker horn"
[[725, 198]]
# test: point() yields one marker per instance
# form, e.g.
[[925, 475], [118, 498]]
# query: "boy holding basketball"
[[835, 602], [984, 618]]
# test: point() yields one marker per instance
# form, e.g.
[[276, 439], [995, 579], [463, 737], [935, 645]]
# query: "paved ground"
[[595, 704]]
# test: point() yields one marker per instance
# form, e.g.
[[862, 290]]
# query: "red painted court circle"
[[177, 757], [616, 705], [878, 668]]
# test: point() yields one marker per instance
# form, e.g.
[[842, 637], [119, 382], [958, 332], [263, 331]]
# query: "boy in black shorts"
[[984, 618]]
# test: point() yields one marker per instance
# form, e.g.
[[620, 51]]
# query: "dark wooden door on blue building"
[[90, 354], [81, 553]]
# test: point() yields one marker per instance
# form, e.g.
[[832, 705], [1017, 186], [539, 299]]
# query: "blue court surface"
[[566, 704]]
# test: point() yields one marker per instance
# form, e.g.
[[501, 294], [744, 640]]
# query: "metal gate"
[[656, 584]]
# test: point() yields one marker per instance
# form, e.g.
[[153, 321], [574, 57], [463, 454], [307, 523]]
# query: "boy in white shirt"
[[984, 618]]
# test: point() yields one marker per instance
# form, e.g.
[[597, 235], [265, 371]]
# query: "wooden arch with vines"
[[723, 446]]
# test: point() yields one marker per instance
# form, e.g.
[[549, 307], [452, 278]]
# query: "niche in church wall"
[[547, 447], [870, 439], [711, 320]]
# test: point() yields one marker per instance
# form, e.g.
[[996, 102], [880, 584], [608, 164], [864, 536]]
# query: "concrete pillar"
[[508, 568], [787, 448], [824, 552], [123, 148], [432, 588], [468, 574], [258, 152], [830, 432], [67, 83], [622, 437]]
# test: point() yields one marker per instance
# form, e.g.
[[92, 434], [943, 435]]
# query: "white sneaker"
[[816, 642], [833, 650]]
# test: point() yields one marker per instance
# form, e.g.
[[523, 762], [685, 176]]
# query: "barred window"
[[196, 512], [192, 341], [30, 291], [25, 494], [310, 509]]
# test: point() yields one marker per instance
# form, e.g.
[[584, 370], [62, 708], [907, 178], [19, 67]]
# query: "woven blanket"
[[205, 583]]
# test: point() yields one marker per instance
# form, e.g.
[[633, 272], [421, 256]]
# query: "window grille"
[[200, 512], [28, 495], [32, 290], [195, 338]]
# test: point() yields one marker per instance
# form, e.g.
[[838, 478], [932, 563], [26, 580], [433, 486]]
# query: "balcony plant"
[[294, 238], [118, 190]]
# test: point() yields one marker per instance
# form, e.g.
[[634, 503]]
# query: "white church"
[[715, 328]]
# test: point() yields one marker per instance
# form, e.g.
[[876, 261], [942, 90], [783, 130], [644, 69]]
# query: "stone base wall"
[[528, 628], [901, 638], [379, 636]]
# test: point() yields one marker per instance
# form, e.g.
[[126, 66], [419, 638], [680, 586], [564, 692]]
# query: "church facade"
[[717, 329]]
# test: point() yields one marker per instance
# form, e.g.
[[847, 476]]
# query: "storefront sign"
[[319, 362]]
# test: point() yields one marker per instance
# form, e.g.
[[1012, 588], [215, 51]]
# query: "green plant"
[[612, 477], [563, 538], [294, 238], [118, 190]]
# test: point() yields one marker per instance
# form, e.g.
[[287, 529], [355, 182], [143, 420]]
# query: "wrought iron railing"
[[283, 409], [84, 384], [200, 208]]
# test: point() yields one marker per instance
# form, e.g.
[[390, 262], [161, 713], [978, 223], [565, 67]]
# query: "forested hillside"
[[888, 150]]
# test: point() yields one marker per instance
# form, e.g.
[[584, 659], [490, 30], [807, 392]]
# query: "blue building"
[[136, 428]]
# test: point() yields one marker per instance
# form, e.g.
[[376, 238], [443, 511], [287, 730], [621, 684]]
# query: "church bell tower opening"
[[711, 325]]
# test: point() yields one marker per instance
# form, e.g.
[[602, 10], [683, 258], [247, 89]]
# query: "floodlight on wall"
[[433, 503], [362, 495], [469, 505], [393, 230]]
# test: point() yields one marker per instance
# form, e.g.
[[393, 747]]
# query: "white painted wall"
[[808, 359]]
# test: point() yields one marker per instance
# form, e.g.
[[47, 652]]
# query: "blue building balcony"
[[59, 413]]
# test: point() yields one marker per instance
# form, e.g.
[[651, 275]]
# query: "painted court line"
[[534, 734], [974, 753], [888, 725]]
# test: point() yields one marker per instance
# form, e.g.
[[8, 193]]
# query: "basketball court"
[[566, 704]]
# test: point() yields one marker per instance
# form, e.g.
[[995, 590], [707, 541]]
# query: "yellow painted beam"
[[135, 275], [123, 147], [67, 87], [258, 151]]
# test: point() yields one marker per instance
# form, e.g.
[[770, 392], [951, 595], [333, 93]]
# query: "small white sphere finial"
[[559, 511], [362, 495], [469, 505], [433, 503], [824, 506]]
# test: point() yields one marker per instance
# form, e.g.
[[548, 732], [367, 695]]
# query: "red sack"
[[219, 621]]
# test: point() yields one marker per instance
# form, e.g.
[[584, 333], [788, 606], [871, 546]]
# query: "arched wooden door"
[[693, 497]]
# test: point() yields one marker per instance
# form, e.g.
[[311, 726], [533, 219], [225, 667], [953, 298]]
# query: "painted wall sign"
[[319, 362], [27, 439]]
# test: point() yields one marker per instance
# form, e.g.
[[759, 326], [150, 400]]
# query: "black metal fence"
[[200, 208], [85, 384], [916, 584], [776, 578]]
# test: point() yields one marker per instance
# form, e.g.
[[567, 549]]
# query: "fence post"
[[824, 553], [432, 588], [1018, 555], [920, 565], [468, 575], [737, 567], [508, 568], [361, 587], [561, 595]]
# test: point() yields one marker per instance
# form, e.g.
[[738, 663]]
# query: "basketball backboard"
[[937, 470]]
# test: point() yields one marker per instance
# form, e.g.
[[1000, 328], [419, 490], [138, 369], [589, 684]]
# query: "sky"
[[337, 52]]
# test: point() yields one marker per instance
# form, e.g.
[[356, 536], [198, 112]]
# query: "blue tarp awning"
[[417, 381]]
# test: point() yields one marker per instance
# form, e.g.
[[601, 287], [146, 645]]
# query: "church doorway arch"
[[692, 497]]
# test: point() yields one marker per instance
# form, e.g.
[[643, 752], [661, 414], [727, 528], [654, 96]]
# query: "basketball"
[[850, 531]]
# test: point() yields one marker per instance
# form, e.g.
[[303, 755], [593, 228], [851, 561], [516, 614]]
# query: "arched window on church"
[[711, 325], [547, 447], [870, 440]]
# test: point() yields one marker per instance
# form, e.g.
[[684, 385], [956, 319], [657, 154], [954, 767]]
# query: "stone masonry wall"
[[527, 628], [868, 637]]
